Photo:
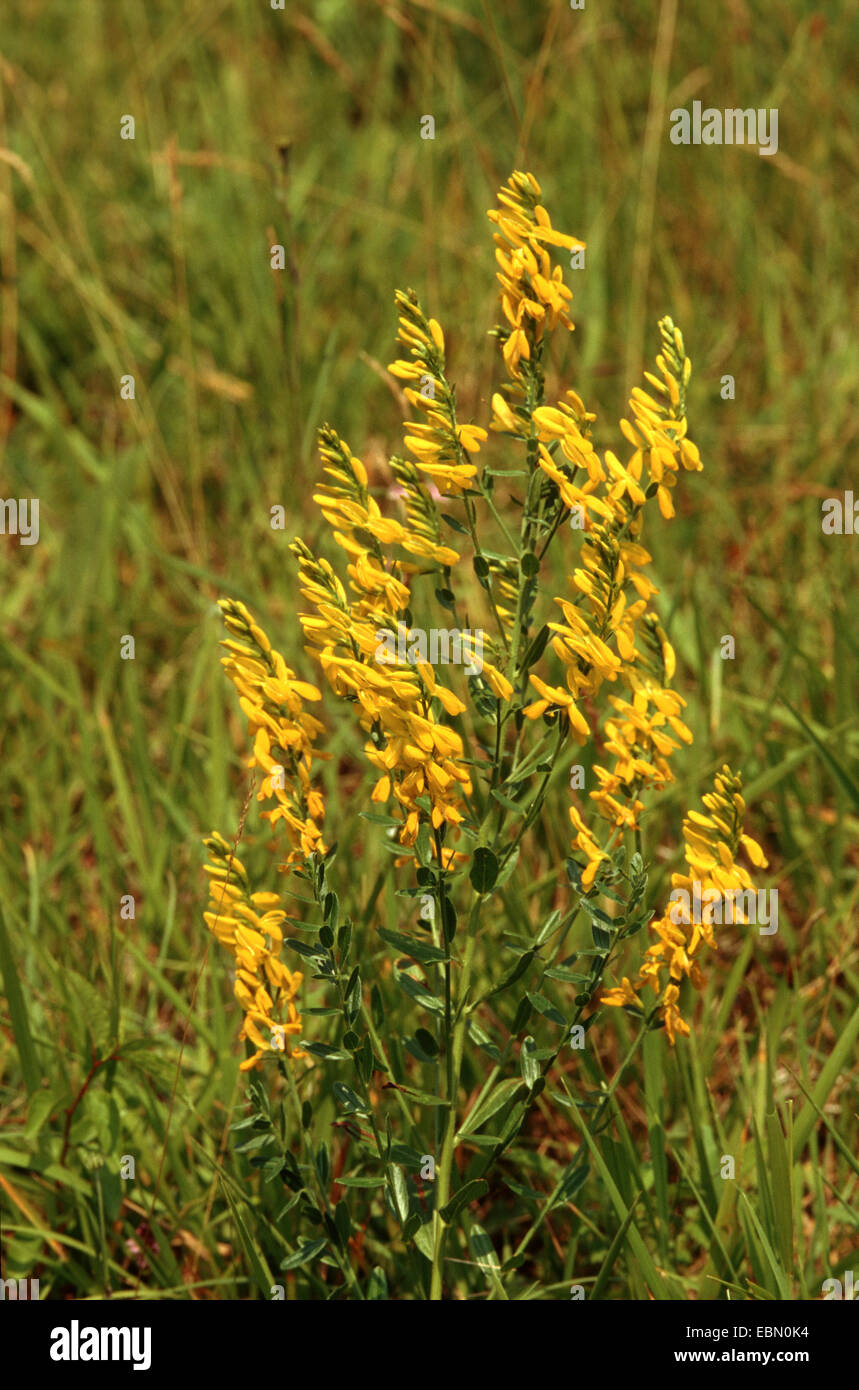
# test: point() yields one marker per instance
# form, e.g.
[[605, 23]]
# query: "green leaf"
[[658, 1285], [601, 938], [419, 992], [377, 1287], [528, 1062], [352, 1103], [560, 972], [483, 1040], [303, 1254], [87, 1003], [481, 569], [303, 948], [448, 919], [427, 1042], [323, 1164], [365, 1060], [484, 870], [835, 765], [104, 1113], [408, 1157], [574, 1178], [447, 599], [256, 1258], [780, 1170], [545, 1007], [400, 1192], [781, 1290], [549, 926], [42, 1103], [519, 969], [508, 804], [423, 1239], [272, 1168], [537, 647], [424, 1097], [830, 1071], [418, 950], [486, 1258], [478, 1187], [328, 1054], [490, 1105], [30, 1068]]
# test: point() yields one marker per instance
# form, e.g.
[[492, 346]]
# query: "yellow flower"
[[440, 445], [555, 697], [711, 845], [422, 531], [584, 841], [282, 731], [534, 298], [622, 994], [608, 632], [249, 926], [415, 755], [657, 430]]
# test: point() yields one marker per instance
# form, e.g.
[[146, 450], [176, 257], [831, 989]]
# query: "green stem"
[[322, 1203], [454, 1050], [475, 541]]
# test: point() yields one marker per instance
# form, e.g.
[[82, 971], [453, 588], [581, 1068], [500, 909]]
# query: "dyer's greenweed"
[[464, 765]]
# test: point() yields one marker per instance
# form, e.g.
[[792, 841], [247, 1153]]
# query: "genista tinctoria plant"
[[465, 747]]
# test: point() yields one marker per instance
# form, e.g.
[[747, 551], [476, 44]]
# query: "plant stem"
[[322, 1203], [454, 1048]]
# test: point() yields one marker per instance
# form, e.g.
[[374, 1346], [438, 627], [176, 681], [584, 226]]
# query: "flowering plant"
[[465, 765]]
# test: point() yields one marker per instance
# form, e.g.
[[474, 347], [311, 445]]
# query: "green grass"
[[151, 258]]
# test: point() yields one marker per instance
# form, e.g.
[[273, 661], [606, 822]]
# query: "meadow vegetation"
[[151, 258]]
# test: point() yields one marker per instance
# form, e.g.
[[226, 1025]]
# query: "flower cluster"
[[249, 925], [605, 631], [282, 731], [534, 297], [414, 752], [402, 705], [658, 429], [441, 446], [609, 633], [422, 530], [715, 881]]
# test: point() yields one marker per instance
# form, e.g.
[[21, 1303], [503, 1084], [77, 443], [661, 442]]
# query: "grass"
[[151, 258]]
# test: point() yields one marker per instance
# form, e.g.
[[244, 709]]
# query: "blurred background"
[[150, 258]]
